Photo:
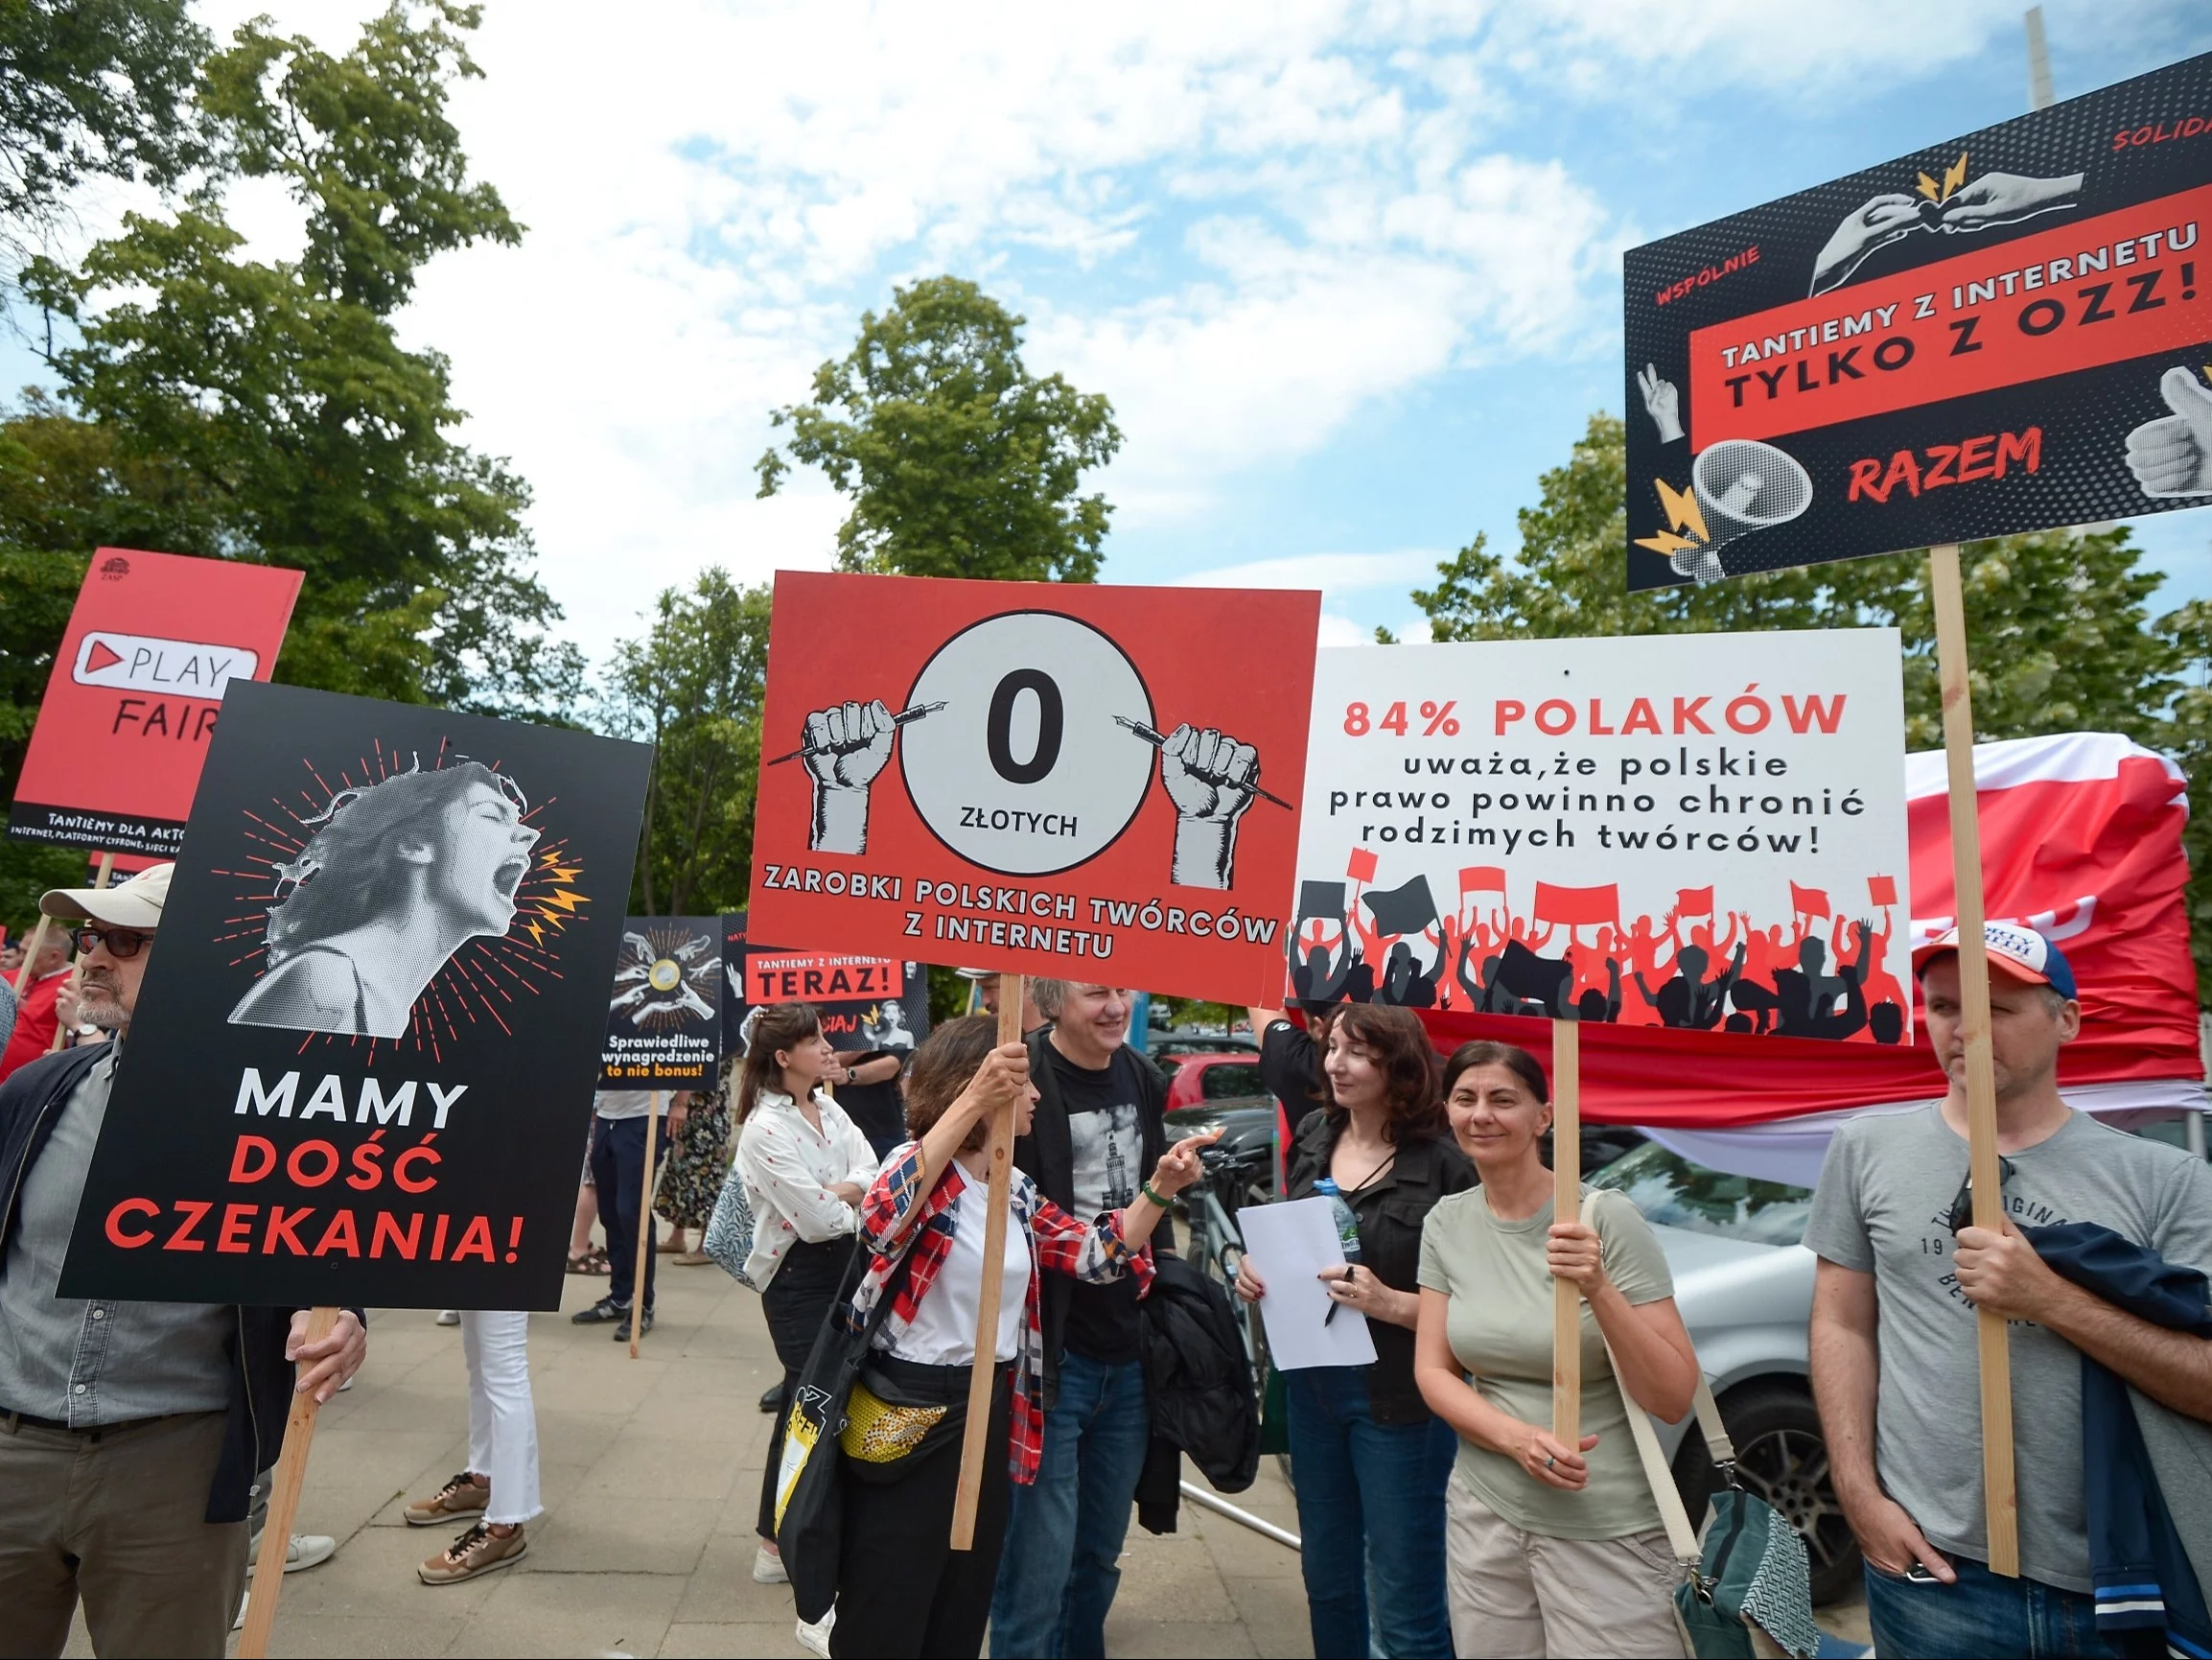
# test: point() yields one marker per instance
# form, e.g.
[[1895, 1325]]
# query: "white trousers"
[[503, 1417]]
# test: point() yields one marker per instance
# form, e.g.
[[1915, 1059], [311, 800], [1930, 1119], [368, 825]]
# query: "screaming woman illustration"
[[395, 879]]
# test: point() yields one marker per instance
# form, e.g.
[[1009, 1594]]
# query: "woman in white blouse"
[[806, 1166]]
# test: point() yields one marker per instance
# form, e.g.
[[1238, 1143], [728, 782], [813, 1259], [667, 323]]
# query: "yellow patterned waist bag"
[[885, 1425]]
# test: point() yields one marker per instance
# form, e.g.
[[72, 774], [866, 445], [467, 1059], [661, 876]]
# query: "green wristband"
[[1146, 1188]]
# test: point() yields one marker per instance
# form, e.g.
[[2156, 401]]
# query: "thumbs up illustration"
[[2173, 456]]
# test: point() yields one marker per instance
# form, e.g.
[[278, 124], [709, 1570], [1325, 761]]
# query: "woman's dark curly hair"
[[350, 872], [1407, 1059]]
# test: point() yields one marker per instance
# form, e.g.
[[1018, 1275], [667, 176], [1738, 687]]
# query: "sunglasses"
[[1963, 1207], [122, 944]]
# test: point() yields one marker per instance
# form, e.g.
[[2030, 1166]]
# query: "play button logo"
[[149, 663]]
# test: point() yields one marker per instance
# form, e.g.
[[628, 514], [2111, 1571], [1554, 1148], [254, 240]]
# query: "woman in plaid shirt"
[[901, 1588]]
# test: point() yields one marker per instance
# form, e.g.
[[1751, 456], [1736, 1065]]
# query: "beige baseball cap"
[[132, 905]]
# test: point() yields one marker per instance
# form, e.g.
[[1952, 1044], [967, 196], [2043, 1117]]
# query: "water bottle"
[[1347, 1222]]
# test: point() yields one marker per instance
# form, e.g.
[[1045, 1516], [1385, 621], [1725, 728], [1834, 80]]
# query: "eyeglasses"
[[122, 944], [1963, 1207]]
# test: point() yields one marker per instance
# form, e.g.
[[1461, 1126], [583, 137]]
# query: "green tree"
[[267, 410], [2059, 634], [958, 461], [692, 687], [91, 88]]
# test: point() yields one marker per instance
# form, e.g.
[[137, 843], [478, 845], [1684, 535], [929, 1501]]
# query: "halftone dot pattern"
[[2081, 419]]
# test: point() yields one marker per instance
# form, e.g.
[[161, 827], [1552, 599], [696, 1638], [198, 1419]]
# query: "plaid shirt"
[[896, 1218]]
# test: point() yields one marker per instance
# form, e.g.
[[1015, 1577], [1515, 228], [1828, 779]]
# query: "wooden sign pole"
[[974, 1447], [1567, 1206], [283, 1508], [2000, 1494], [644, 1228], [76, 970], [31, 953]]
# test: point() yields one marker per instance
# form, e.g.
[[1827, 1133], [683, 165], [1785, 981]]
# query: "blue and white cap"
[[2021, 952]]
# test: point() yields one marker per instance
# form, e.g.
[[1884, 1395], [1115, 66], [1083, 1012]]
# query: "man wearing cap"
[[1901, 1275], [130, 1433], [987, 984]]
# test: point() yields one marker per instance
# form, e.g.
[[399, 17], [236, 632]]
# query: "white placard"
[[1291, 1244], [1701, 830]]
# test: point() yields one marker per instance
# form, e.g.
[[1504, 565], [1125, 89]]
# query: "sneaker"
[[303, 1551], [477, 1551], [460, 1497], [449, 1317], [602, 1313], [768, 1566], [623, 1331], [814, 1637]]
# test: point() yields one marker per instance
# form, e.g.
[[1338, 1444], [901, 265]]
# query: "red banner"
[[2081, 838], [1578, 907], [2130, 283], [137, 682]]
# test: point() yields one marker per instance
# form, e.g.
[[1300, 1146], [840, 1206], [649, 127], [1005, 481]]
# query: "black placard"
[[362, 1064], [2000, 332], [864, 1003], [665, 1014]]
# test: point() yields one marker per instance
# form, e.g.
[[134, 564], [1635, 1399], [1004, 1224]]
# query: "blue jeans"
[[1061, 1567], [1983, 1614], [1371, 1518]]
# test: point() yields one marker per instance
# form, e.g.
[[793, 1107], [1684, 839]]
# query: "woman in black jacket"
[[1371, 1459]]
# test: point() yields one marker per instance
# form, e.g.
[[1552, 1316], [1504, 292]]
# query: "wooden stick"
[[973, 1449], [30, 952], [77, 968], [1567, 1206], [283, 1508], [644, 1228], [2000, 1497]]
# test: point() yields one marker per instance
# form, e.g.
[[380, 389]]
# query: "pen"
[[1334, 1304], [1159, 740], [904, 717]]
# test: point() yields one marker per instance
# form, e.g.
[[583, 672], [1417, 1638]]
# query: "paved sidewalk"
[[652, 1482]]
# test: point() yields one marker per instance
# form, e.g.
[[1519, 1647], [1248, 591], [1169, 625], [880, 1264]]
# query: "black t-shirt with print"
[[1107, 1135]]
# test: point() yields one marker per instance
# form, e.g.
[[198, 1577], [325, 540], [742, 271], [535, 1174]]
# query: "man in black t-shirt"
[[1096, 1137]]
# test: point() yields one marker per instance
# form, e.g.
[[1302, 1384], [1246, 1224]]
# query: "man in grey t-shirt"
[[1893, 1346]]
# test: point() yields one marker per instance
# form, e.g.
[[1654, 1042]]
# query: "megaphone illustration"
[[1741, 486]]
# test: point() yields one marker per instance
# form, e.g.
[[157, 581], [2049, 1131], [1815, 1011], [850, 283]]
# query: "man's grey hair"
[[1050, 994]]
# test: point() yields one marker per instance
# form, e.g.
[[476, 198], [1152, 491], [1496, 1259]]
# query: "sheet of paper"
[[1289, 1244]]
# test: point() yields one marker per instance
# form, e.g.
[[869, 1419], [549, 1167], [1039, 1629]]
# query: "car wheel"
[[1781, 1456]]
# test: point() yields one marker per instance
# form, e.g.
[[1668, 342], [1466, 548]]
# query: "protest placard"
[[665, 1013], [1089, 781], [362, 1064], [1999, 332], [1705, 832], [867, 1005], [132, 703]]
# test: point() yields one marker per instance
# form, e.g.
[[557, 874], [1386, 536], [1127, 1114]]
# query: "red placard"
[[1081, 781], [138, 682]]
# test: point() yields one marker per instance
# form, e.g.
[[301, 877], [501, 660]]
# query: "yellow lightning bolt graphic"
[[1681, 510], [1955, 176], [566, 902], [1665, 542], [1930, 189]]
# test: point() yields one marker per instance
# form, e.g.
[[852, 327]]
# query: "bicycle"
[[1232, 1179]]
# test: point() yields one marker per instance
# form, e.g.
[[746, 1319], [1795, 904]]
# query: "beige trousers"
[[1530, 1597], [114, 1517]]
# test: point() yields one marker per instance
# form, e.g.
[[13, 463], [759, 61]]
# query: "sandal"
[[591, 1262]]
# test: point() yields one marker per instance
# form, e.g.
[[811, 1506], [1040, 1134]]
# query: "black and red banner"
[[2007, 332]]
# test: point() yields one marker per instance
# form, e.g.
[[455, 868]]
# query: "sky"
[[1349, 272]]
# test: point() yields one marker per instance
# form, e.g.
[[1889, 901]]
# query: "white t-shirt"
[[944, 1328], [617, 1105]]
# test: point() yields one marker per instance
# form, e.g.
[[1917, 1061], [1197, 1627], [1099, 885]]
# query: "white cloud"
[[1331, 572]]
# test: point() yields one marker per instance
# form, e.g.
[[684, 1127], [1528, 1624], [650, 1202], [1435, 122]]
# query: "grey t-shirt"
[[617, 1105], [1882, 1207]]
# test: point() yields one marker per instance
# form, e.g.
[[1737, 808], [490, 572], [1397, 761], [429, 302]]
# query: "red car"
[[1203, 1078]]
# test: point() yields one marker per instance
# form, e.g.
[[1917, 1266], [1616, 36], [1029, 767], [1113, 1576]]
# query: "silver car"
[[1743, 1281]]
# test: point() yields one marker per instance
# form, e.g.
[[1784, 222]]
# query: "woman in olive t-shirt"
[[1549, 1548]]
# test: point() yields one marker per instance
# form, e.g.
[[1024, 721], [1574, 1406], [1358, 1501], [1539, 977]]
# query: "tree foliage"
[[692, 687], [2058, 631], [91, 88], [958, 461], [262, 410]]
